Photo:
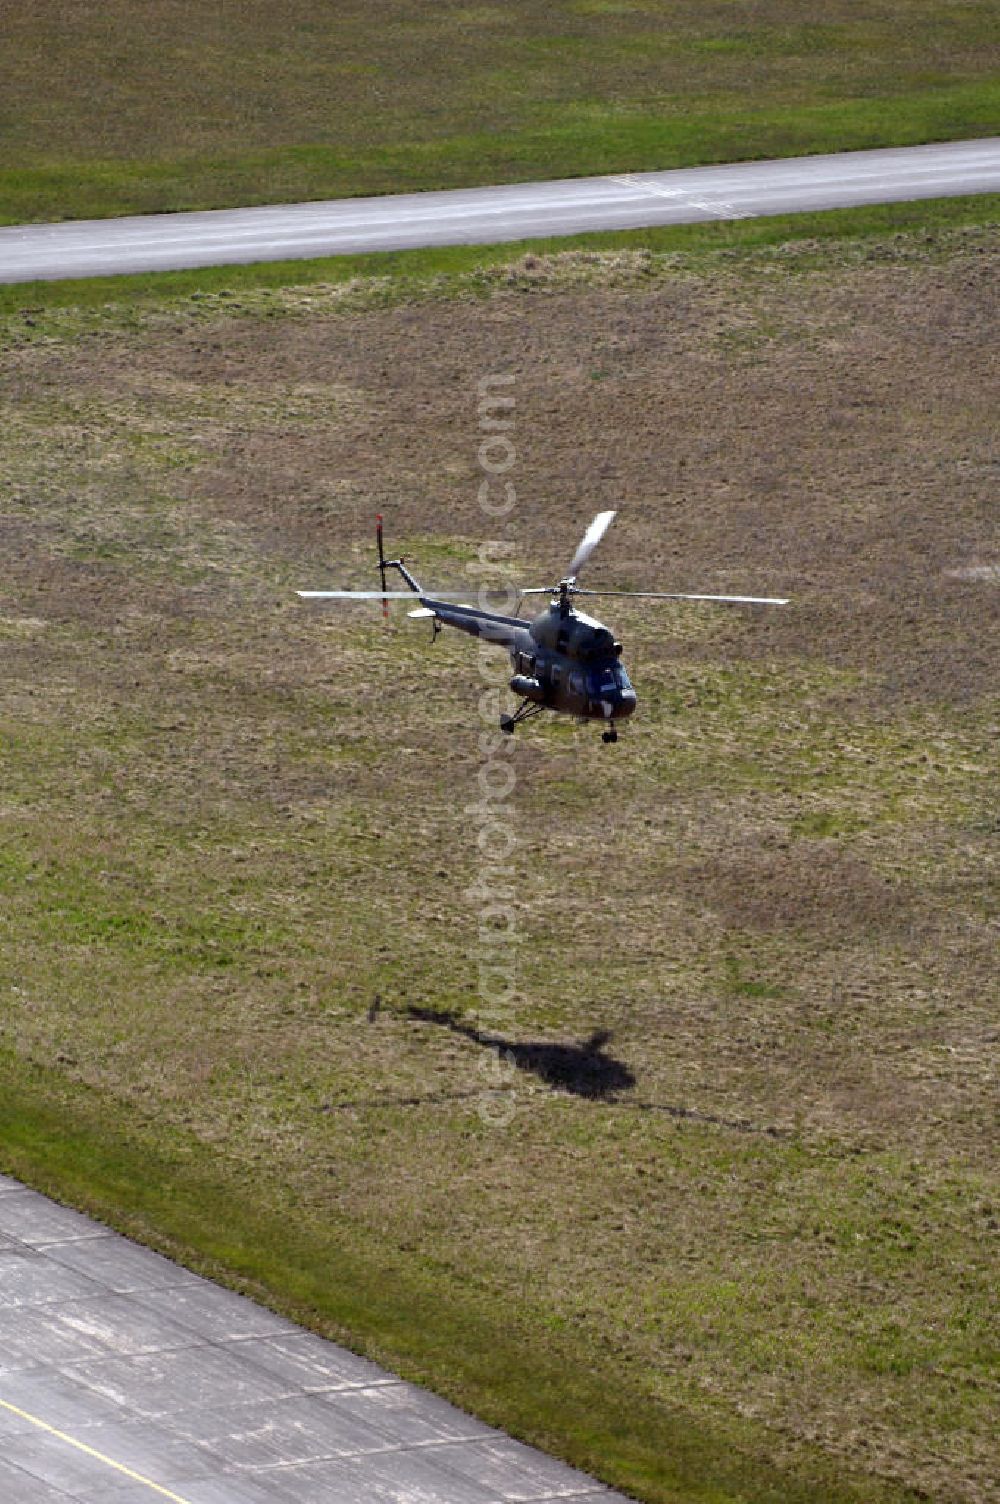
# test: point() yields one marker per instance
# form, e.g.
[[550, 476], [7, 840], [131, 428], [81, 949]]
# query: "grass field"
[[766, 1204], [195, 106]]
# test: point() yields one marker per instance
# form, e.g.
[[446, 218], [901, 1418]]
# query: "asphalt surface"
[[125, 1379], [478, 216]]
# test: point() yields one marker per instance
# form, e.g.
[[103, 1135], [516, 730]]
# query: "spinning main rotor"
[[562, 591]]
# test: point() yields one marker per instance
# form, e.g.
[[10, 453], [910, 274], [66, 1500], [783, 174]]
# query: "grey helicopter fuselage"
[[562, 659]]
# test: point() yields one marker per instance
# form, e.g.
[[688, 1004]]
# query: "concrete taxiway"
[[125, 1379], [476, 216]]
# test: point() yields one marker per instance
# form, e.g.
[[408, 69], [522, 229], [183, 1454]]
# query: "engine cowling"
[[527, 688]]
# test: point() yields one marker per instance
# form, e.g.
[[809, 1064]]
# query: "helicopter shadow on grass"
[[583, 1069]]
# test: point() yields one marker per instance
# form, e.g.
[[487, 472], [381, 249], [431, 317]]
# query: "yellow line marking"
[[81, 1446]]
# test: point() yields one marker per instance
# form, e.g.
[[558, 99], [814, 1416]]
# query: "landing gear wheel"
[[524, 712], [609, 736]]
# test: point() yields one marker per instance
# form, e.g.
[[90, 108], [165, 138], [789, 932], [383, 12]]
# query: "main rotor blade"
[[383, 595], [589, 542], [674, 595]]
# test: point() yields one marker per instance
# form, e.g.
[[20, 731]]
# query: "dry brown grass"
[[228, 822]]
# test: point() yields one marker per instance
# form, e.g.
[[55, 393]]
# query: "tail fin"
[[384, 564]]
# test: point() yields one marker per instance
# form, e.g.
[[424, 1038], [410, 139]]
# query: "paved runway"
[[476, 216], [124, 1379]]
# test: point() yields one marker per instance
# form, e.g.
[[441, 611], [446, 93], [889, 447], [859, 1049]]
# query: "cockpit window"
[[608, 679], [605, 680]]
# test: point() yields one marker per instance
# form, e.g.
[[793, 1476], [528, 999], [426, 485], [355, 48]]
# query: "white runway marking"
[[714, 208]]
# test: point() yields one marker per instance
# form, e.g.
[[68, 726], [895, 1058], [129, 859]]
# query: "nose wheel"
[[609, 736]]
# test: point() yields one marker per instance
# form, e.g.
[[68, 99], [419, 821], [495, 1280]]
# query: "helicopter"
[[563, 660]]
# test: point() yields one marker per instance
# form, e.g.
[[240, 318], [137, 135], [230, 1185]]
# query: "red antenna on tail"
[[381, 561]]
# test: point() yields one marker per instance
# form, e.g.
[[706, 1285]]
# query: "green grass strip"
[[585, 137]]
